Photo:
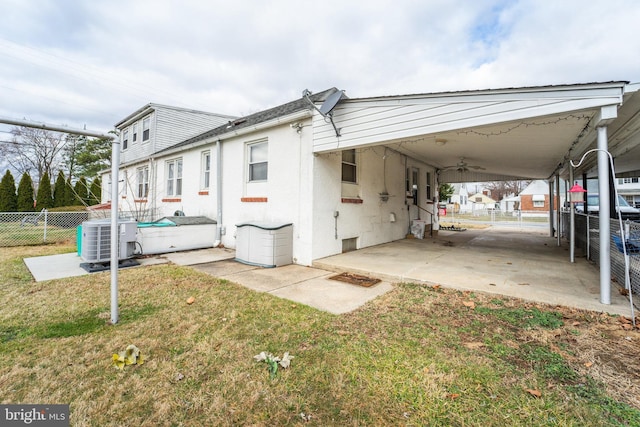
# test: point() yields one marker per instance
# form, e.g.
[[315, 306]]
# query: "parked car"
[[593, 207]]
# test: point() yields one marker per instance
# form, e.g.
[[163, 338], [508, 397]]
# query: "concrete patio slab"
[[200, 256], [331, 295], [68, 265], [525, 264], [519, 263]]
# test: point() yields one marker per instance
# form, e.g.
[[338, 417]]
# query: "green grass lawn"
[[417, 356], [13, 234]]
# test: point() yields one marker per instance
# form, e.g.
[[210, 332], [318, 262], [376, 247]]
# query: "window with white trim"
[[538, 200], [134, 135], [142, 178], [125, 139], [206, 170], [349, 168], [174, 177], [258, 155], [145, 129]]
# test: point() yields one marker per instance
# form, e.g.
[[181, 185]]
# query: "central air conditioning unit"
[[96, 240]]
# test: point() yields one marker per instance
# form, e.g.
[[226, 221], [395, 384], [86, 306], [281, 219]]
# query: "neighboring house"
[[629, 188], [534, 199], [510, 203], [459, 200], [482, 202], [143, 134]]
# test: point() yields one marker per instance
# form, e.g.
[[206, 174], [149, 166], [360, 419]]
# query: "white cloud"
[[77, 62]]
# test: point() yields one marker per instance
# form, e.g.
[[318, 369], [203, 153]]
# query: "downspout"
[[219, 227]]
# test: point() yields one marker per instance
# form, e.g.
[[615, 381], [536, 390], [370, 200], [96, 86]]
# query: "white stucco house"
[[262, 168], [358, 173]]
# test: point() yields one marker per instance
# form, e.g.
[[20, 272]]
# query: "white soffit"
[[511, 133]]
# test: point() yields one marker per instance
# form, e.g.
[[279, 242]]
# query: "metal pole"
[[557, 204], [551, 221], [45, 224], [115, 165], [572, 222], [115, 193], [603, 218], [55, 128]]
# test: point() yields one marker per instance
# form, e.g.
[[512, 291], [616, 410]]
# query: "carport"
[[504, 134]]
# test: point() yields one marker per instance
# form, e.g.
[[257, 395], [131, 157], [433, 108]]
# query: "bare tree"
[[34, 151], [500, 189]]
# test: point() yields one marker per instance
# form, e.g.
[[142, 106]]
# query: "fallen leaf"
[[509, 263], [532, 392], [425, 371], [469, 304], [575, 324], [191, 300], [436, 287], [453, 396], [627, 326], [492, 284], [588, 364], [623, 319]]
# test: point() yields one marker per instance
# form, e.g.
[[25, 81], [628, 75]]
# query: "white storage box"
[[264, 244]]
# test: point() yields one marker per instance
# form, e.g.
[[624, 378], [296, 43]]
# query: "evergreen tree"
[[95, 192], [59, 189], [69, 196], [25, 194], [81, 191], [8, 196], [44, 199]]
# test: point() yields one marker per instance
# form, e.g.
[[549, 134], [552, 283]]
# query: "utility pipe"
[[218, 240]]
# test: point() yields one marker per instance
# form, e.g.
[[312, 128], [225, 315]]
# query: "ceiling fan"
[[462, 166]]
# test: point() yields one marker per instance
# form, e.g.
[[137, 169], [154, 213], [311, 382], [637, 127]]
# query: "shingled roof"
[[300, 104]]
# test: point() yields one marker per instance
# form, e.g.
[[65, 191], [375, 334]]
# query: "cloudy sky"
[[91, 63]]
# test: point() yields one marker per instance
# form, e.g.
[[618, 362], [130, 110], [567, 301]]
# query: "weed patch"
[[525, 318]]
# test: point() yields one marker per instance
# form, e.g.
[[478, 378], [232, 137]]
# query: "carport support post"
[[572, 221], [603, 217], [551, 221], [553, 196]]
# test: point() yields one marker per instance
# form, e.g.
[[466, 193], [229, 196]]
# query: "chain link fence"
[[587, 235], [36, 228]]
